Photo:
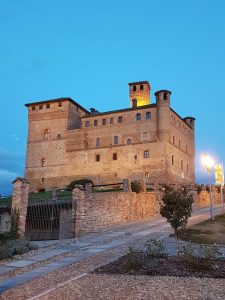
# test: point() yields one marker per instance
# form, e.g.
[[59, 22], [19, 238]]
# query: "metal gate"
[[49, 215]]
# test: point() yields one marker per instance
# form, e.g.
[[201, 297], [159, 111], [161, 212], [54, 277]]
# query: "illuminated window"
[[97, 142], [114, 156], [33, 107], [147, 174], [144, 136], [95, 122], [103, 121], [116, 140], [97, 157], [43, 162], [48, 105], [129, 141], [146, 154], [120, 119], [138, 117], [111, 121], [141, 87], [47, 133], [87, 124], [134, 88], [148, 115]]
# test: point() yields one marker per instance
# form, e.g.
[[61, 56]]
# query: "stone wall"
[[203, 199]]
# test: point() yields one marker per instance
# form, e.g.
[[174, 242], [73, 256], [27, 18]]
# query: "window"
[[77, 108], [147, 174], [114, 156], [134, 102], [97, 142], [48, 105], [87, 124], [135, 157], [42, 179], [111, 121], [103, 121], [138, 117], [47, 132], [43, 162], [144, 136], [116, 140], [187, 168], [134, 88], [40, 106], [58, 136], [33, 107], [120, 119], [128, 141], [97, 157], [181, 165], [95, 122], [173, 139], [172, 160], [146, 154], [165, 96], [60, 104], [148, 115], [141, 87]]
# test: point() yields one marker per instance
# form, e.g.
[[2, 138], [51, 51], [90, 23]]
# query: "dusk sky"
[[90, 50]]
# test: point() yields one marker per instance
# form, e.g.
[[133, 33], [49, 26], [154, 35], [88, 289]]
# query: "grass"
[[206, 232]]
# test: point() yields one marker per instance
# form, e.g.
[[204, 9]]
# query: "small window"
[[48, 105], [40, 106], [43, 162], [173, 140], [138, 117], [147, 174], [135, 157], [120, 120], [141, 87], [111, 121], [97, 142], [181, 165], [114, 156], [187, 168], [148, 115], [134, 88], [165, 96], [172, 160], [115, 175], [47, 134], [144, 136], [95, 122], [146, 154], [116, 140], [33, 107], [87, 124], [60, 104], [42, 179], [58, 136], [77, 108], [128, 141], [103, 121], [97, 157]]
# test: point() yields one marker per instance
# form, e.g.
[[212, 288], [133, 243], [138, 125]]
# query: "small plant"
[[15, 247], [209, 252], [131, 261], [136, 186], [155, 248], [187, 253]]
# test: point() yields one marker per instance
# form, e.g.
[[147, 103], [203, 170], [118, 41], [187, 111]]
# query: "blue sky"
[[89, 51]]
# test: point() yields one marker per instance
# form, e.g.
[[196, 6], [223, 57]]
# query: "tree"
[[176, 207]]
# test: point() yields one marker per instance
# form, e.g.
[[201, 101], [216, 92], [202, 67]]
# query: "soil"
[[142, 264]]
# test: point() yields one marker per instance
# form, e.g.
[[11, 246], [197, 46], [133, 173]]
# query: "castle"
[[146, 141]]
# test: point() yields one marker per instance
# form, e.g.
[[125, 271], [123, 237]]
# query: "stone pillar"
[[127, 185], [78, 212], [19, 205]]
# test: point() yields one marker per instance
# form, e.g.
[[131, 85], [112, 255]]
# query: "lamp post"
[[209, 163]]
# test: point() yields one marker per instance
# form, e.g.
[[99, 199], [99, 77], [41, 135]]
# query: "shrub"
[[15, 247], [199, 189], [155, 248], [131, 261], [136, 186], [82, 182]]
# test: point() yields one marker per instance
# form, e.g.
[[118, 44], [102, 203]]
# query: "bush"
[[136, 186], [15, 247], [155, 248], [82, 182], [131, 261], [199, 189]]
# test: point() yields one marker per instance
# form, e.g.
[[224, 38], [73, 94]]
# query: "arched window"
[[43, 162], [47, 132], [138, 117]]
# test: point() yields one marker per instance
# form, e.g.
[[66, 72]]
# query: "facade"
[[146, 141]]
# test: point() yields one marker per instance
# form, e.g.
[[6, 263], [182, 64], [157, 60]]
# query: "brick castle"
[[148, 142]]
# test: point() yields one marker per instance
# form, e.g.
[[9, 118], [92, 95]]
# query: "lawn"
[[206, 232]]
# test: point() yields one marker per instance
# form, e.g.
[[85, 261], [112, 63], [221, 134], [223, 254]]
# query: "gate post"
[[19, 206], [78, 199]]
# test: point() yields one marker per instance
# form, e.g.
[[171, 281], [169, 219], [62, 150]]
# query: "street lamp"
[[208, 162]]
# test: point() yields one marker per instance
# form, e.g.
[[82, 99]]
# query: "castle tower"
[[163, 114], [139, 93]]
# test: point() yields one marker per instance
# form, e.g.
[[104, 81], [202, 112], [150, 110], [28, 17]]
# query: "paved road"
[[72, 252]]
